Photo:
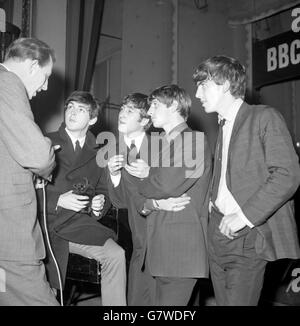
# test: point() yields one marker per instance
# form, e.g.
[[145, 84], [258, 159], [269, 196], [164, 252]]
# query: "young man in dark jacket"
[[76, 200], [256, 172], [175, 252]]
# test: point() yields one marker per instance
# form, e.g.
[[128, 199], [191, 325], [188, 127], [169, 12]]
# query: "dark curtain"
[[84, 19]]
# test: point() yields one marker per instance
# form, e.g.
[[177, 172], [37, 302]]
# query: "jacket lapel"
[[67, 146], [239, 120], [87, 153]]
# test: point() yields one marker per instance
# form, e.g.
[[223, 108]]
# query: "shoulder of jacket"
[[53, 135], [8, 78]]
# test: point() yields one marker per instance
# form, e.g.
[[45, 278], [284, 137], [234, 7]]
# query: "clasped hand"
[[138, 168], [115, 164], [76, 203], [174, 204]]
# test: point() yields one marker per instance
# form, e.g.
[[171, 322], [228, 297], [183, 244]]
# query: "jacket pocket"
[[21, 178], [16, 200], [17, 191]]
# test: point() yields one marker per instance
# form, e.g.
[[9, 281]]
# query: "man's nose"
[[122, 114], [74, 111], [198, 92], [150, 111], [45, 85]]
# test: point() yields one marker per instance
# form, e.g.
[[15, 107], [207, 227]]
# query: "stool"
[[82, 269]]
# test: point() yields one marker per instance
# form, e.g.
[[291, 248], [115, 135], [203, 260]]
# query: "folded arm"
[[187, 166]]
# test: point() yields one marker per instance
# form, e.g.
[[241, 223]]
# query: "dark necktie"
[[77, 148], [132, 153], [217, 163]]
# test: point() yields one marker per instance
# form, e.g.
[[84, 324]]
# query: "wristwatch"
[[145, 211]]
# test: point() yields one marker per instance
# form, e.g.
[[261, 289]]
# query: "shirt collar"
[[74, 139], [137, 140], [176, 131], [232, 111]]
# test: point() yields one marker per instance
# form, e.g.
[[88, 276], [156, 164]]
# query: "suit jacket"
[[176, 241], [66, 225], [126, 195], [24, 151], [263, 174]]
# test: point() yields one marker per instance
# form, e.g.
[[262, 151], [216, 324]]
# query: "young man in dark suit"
[[133, 123], [76, 200], [256, 172], [24, 154], [175, 240]]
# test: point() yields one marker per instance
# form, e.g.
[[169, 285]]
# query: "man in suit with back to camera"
[[176, 240], [256, 172], [77, 199], [134, 146], [24, 153]]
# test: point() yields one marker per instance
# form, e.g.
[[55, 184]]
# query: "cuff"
[[115, 179], [244, 218]]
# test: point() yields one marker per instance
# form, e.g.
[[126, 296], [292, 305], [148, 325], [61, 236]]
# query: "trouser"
[[141, 285], [138, 282], [161, 291], [25, 284], [173, 291], [113, 269], [237, 272]]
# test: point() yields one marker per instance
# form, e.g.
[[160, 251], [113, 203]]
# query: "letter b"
[[283, 55], [271, 59]]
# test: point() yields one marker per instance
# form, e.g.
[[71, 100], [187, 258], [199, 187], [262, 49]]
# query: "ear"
[[226, 86], [93, 121], [144, 122], [174, 106], [33, 66]]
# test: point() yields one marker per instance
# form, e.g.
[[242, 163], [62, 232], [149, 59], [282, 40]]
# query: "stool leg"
[[71, 296]]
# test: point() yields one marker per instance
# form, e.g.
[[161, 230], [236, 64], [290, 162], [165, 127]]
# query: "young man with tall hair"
[[76, 200], [175, 254], [133, 123], [24, 154], [256, 172]]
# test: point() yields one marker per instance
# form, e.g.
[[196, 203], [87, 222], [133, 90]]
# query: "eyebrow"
[[130, 107], [81, 105]]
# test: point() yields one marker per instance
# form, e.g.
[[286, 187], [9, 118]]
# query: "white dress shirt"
[[225, 201], [74, 139]]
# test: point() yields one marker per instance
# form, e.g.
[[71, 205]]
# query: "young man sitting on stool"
[[76, 200]]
